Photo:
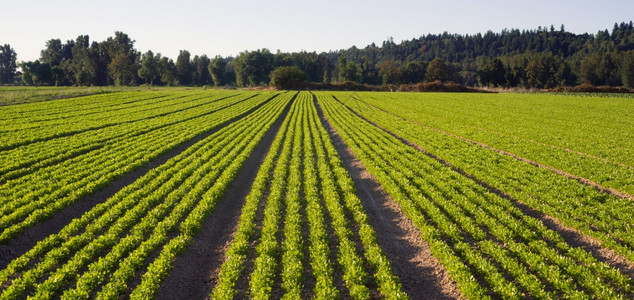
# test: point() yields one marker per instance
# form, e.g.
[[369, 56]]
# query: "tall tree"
[[167, 71], [149, 70], [36, 73], [414, 71], [492, 73], [55, 54], [348, 70], [390, 71], [627, 69], [201, 70], [184, 68], [217, 68], [121, 70], [253, 67], [437, 69], [121, 57], [8, 64], [82, 67]]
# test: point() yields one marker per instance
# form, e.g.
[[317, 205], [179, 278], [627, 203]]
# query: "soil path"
[[195, 272], [30, 236], [570, 235], [420, 273]]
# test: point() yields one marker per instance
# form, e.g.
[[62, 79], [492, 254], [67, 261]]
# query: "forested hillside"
[[541, 58]]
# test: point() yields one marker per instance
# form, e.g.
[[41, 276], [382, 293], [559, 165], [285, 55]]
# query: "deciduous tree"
[[8, 64]]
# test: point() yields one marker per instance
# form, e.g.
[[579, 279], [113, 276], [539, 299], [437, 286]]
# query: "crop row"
[[305, 180], [142, 227], [586, 137], [603, 216], [62, 143], [28, 199], [120, 118], [488, 245]]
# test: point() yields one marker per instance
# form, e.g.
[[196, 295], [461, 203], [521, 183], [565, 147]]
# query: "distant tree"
[[253, 68], [437, 69], [167, 71], [36, 73], [201, 70], [600, 69], [149, 70], [492, 74], [286, 78], [348, 70], [217, 68], [627, 69], [56, 54], [327, 67], [53, 53], [121, 58], [122, 70], [390, 71], [414, 72], [82, 68], [8, 64], [184, 68], [308, 62]]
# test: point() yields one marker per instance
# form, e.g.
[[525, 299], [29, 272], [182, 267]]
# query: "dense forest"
[[541, 58]]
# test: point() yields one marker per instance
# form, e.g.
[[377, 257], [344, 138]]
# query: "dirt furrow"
[[195, 272], [29, 237], [420, 273], [570, 235]]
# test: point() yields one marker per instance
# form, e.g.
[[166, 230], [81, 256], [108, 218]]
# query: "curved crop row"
[[29, 199], [143, 226], [488, 245], [603, 216]]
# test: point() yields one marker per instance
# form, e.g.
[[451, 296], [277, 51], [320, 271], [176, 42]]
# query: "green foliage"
[[287, 78], [492, 74], [627, 69], [348, 70], [121, 70], [217, 68], [149, 70], [253, 68], [390, 72], [36, 73], [184, 68], [437, 69], [201, 70], [7, 63], [445, 183]]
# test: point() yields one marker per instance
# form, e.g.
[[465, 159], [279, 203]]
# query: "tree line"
[[542, 58]]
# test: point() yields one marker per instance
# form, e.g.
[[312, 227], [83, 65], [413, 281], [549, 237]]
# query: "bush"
[[286, 78]]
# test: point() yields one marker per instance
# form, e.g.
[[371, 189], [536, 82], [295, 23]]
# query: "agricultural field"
[[196, 194]]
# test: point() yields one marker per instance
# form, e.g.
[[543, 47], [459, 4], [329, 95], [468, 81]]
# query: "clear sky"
[[228, 27]]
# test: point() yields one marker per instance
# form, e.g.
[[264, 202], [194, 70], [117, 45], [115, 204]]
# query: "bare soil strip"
[[420, 273], [195, 273], [30, 236], [570, 235], [585, 181]]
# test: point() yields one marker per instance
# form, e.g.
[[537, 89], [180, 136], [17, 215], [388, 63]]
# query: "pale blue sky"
[[229, 27]]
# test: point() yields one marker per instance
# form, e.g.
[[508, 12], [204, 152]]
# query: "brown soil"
[[420, 273], [571, 236], [29, 237], [195, 273], [575, 238]]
